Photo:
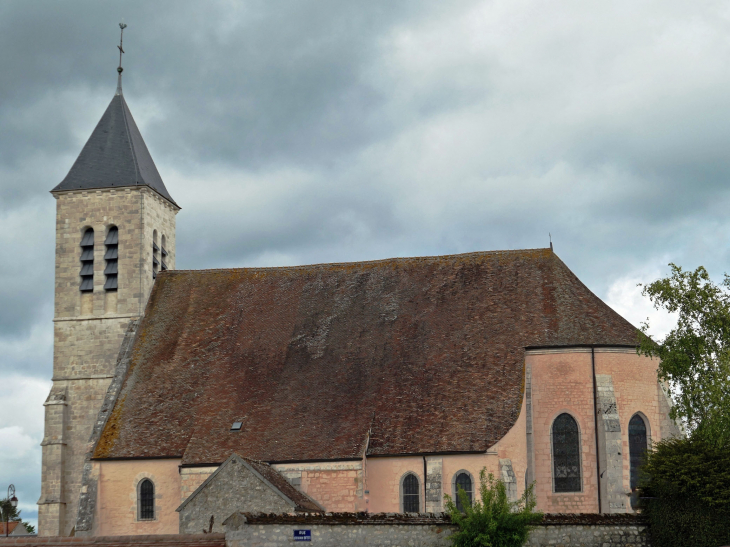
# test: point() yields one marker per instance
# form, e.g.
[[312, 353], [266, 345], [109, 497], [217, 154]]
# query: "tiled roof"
[[115, 156], [402, 356]]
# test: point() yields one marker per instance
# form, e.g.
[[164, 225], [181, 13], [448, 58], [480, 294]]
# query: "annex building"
[[181, 397]]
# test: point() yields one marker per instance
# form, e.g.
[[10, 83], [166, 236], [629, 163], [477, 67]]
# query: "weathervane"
[[122, 26]]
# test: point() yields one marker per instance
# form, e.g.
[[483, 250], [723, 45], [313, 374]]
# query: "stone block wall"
[[233, 487], [89, 328], [423, 530]]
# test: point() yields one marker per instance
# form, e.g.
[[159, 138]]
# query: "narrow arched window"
[[111, 256], [566, 454], [146, 500], [87, 261], [163, 254], [155, 255], [411, 494], [463, 481], [637, 447]]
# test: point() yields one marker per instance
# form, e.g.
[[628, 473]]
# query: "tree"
[[694, 356], [8, 513], [494, 521]]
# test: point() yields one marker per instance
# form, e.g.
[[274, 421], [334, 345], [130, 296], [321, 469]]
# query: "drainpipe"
[[425, 482], [595, 420]]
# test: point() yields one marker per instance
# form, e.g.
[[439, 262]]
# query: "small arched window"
[[163, 254], [146, 500], [637, 447], [411, 494], [87, 261], [155, 255], [566, 454], [111, 256], [463, 481]]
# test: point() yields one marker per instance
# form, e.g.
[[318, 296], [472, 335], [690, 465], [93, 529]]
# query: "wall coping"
[[420, 519], [173, 540]]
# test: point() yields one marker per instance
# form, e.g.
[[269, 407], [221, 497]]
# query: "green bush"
[[494, 521], [685, 489]]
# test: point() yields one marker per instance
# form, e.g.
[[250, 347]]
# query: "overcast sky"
[[299, 132]]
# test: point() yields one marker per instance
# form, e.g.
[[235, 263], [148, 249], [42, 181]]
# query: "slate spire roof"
[[115, 156]]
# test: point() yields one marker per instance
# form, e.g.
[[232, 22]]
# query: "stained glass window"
[[146, 500], [411, 494], [637, 447], [566, 454], [463, 481]]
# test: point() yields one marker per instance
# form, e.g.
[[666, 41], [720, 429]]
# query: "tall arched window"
[[146, 500], [411, 494], [637, 447], [566, 454], [111, 256], [87, 261], [463, 480]]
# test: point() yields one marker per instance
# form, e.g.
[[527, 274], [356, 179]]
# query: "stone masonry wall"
[[89, 328], [336, 486], [233, 488], [423, 530]]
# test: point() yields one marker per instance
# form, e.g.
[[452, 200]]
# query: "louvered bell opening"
[[112, 253], [164, 252], [155, 247], [87, 284], [111, 283], [87, 254], [154, 274], [111, 268], [155, 261], [163, 266], [88, 239], [112, 238], [87, 268]]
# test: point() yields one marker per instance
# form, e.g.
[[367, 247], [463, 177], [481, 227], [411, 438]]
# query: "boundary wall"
[[372, 529]]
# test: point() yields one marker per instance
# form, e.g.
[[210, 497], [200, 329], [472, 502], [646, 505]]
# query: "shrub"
[[493, 521], [685, 489]]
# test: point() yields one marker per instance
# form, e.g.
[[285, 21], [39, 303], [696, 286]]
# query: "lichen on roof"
[[404, 356]]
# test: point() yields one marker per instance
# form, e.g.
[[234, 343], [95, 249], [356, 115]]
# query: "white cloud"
[[21, 433], [624, 296]]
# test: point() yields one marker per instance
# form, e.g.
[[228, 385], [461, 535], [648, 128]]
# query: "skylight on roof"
[[236, 426]]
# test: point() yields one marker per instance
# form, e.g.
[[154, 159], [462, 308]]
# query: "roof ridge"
[[365, 262], [131, 144]]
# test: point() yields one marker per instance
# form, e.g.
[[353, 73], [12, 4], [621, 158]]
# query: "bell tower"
[[115, 231]]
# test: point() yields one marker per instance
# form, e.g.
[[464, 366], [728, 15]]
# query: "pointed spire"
[[122, 26], [115, 156]]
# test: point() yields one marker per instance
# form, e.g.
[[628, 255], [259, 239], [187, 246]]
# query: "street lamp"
[[13, 503]]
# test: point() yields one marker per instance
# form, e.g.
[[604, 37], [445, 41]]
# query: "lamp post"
[[13, 503]]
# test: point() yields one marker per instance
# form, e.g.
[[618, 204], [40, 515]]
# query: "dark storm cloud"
[[299, 132]]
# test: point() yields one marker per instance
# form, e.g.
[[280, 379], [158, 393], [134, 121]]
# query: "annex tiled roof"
[[115, 156], [323, 362]]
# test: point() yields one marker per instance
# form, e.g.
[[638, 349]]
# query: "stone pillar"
[[52, 505], [509, 478], [434, 482], [613, 497]]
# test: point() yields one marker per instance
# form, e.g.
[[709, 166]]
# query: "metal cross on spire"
[[122, 26]]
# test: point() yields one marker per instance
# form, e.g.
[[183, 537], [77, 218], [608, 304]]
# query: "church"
[[180, 397]]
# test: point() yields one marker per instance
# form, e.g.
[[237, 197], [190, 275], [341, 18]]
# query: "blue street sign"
[[302, 535]]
